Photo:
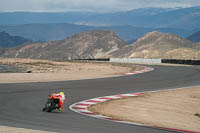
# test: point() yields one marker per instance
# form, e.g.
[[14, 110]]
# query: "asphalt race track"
[[21, 104]]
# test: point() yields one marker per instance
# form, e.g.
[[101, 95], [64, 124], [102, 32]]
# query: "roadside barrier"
[[101, 59], [145, 61], [177, 61], [135, 60], [155, 61]]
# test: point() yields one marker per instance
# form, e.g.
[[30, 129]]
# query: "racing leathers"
[[61, 97]]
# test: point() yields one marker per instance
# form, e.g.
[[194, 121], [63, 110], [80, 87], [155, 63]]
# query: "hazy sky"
[[90, 5]]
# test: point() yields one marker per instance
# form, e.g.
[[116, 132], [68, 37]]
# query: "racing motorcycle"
[[51, 104]]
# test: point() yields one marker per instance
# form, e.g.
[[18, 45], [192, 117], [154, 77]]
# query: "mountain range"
[[142, 33], [87, 45], [59, 31], [183, 18], [129, 25], [195, 37], [7, 40], [104, 44]]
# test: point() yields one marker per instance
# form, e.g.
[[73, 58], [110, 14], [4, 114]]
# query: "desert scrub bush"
[[197, 114]]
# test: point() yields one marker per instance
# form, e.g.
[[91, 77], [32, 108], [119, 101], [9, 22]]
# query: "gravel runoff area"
[[179, 109], [46, 71]]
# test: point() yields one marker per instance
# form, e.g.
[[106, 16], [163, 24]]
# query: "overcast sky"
[[90, 5]]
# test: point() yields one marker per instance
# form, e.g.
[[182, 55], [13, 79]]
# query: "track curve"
[[21, 104]]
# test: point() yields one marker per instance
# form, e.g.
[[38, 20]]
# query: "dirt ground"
[[5, 129], [45, 71], [171, 109]]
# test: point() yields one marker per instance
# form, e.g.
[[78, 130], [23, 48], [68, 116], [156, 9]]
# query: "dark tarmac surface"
[[21, 104]]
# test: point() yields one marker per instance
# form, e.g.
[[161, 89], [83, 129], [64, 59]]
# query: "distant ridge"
[[105, 44], [6, 40], [59, 31], [86, 45], [195, 37], [180, 18], [160, 45], [129, 25]]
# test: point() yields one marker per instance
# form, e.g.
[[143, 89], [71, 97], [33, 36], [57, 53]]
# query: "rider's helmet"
[[61, 93]]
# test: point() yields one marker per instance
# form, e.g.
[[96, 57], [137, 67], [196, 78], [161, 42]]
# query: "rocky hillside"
[[159, 45], [1, 50], [7, 40], [195, 37], [93, 44]]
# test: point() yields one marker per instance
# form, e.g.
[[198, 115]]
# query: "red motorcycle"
[[52, 103]]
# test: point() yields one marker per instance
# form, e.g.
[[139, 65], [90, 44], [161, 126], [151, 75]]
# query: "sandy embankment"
[[44, 71], [171, 109]]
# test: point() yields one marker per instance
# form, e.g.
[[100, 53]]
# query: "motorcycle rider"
[[61, 97]]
